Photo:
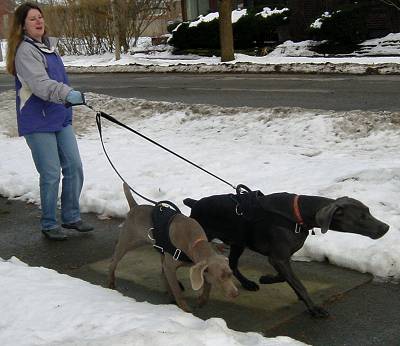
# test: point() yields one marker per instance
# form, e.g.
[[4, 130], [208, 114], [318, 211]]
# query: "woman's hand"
[[74, 98]]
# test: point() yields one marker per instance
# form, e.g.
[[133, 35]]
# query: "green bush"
[[345, 26], [250, 30], [172, 26]]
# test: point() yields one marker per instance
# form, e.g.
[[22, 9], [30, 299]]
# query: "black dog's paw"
[[270, 279], [250, 285], [318, 312]]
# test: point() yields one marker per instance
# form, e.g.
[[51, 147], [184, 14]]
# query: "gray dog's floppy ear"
[[196, 275], [324, 216]]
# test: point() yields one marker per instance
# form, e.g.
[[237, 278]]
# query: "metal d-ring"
[[237, 210], [149, 236]]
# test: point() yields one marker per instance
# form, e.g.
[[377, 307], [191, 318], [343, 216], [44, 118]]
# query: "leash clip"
[[297, 229]]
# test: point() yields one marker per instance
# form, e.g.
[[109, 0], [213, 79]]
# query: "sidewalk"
[[362, 312]]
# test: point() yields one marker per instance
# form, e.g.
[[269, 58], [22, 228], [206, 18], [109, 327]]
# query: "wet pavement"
[[363, 312]]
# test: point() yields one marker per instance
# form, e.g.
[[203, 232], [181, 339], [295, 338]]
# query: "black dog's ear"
[[324, 216]]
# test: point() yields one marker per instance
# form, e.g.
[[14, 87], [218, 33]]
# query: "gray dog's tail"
[[190, 202], [132, 203]]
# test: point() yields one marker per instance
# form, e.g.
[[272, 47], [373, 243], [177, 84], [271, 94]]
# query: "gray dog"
[[186, 234], [277, 226]]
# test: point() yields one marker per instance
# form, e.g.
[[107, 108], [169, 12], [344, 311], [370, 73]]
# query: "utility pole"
[[115, 30]]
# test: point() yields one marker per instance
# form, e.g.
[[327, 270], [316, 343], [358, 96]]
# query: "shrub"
[[250, 30], [172, 26], [345, 26]]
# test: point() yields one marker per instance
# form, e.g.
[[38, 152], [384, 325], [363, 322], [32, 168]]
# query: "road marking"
[[297, 90]]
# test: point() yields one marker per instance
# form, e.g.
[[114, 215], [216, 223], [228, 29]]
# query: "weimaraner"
[[277, 226], [186, 234]]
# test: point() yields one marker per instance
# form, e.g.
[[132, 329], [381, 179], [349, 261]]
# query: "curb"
[[304, 68], [240, 67]]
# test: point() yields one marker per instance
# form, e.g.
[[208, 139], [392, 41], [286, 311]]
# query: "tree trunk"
[[115, 31], [225, 30]]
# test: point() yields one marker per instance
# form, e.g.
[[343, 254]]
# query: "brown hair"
[[16, 32]]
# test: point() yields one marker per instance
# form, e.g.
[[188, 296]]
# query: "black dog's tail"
[[190, 202]]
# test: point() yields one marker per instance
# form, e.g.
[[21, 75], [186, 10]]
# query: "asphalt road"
[[329, 92]]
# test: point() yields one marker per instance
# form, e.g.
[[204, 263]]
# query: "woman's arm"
[[31, 71]]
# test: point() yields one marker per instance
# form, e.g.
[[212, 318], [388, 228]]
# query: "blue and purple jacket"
[[41, 85]]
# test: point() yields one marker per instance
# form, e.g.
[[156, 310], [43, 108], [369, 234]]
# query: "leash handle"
[[240, 189]]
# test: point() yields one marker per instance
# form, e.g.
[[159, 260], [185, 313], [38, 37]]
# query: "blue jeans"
[[52, 152]]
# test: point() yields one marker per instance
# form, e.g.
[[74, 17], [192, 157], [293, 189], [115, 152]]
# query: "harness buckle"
[[237, 210], [297, 229], [159, 247], [176, 254]]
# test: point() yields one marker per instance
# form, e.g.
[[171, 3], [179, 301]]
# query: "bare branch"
[[393, 3]]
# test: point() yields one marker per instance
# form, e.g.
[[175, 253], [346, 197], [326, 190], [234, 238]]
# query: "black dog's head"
[[350, 215]]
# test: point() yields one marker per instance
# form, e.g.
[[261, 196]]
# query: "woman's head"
[[27, 20]]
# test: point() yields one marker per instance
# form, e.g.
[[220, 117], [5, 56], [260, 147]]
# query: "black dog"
[[276, 226]]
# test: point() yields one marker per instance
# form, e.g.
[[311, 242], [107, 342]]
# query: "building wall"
[[159, 26]]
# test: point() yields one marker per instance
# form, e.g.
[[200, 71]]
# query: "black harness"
[[248, 205], [162, 217]]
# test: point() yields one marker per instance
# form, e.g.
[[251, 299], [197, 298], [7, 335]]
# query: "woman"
[[42, 91]]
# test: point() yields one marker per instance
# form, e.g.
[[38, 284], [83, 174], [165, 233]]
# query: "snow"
[[267, 12], [318, 22], [272, 149], [42, 307], [382, 55]]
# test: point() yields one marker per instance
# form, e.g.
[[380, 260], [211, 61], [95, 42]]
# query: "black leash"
[[99, 114], [112, 119]]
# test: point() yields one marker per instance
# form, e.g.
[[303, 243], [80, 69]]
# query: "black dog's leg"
[[235, 253], [284, 269], [271, 279]]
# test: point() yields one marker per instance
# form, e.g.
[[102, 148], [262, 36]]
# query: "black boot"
[[54, 234], [79, 226]]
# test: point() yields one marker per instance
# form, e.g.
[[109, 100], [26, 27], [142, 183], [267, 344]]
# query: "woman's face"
[[34, 24]]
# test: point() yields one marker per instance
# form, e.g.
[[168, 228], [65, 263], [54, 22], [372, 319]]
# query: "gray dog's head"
[[349, 215]]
